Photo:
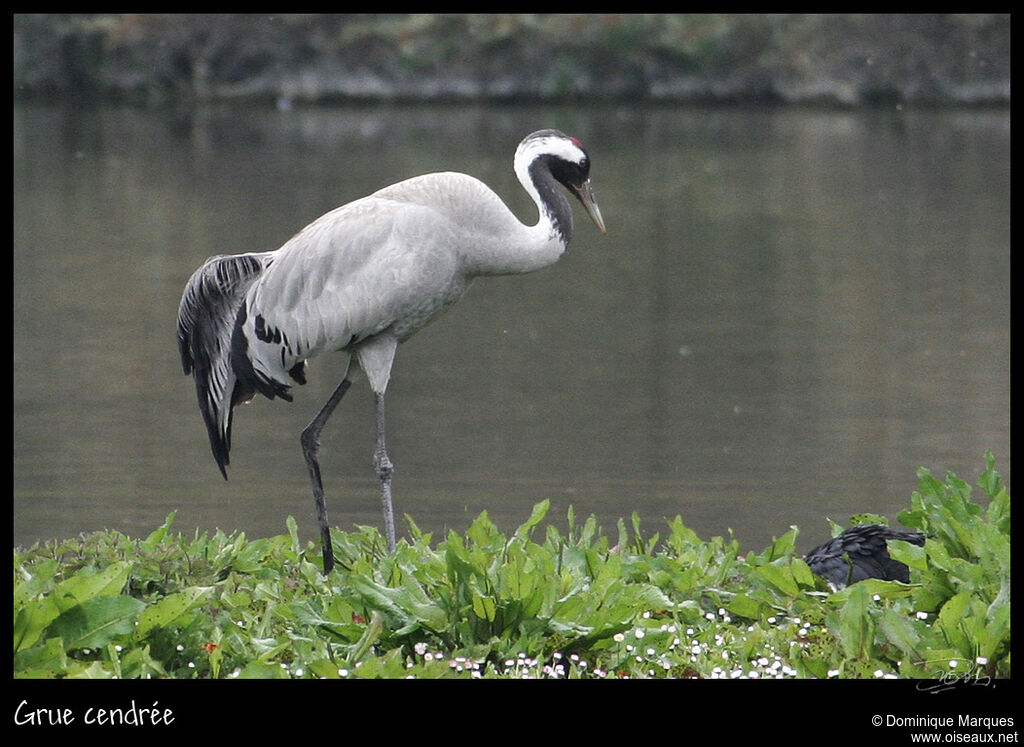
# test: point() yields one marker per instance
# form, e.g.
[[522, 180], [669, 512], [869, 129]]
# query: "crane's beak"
[[586, 195]]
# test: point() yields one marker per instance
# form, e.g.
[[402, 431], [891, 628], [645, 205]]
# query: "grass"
[[535, 603]]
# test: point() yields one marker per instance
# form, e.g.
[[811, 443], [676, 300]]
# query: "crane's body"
[[361, 279], [367, 281]]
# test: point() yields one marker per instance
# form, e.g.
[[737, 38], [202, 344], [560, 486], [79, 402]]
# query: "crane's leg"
[[384, 469], [310, 446]]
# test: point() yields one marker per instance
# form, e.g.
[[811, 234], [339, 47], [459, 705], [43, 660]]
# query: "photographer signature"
[[958, 673]]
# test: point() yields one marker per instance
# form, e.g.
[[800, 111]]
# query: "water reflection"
[[792, 311]]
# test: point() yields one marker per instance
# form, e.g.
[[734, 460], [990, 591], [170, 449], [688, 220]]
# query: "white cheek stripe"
[[555, 146]]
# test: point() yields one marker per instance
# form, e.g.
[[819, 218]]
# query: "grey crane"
[[361, 279]]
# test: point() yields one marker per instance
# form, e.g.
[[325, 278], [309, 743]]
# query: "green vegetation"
[[535, 603]]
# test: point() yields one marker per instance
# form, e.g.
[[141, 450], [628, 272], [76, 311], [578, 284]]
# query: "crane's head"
[[568, 163]]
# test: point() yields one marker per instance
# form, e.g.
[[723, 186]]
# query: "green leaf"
[[402, 610], [293, 533], [31, 621], [30, 584], [802, 573], [989, 481], [45, 660], [95, 622], [949, 619], [781, 577], [855, 626], [260, 670], [537, 515], [781, 547], [157, 536], [910, 554], [744, 606], [93, 671], [169, 609], [484, 608], [899, 629], [85, 585], [997, 622], [370, 636], [938, 555], [483, 532]]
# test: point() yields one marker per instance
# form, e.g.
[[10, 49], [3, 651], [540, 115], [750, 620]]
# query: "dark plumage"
[[861, 552]]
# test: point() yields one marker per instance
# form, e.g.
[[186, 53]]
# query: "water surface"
[[793, 310]]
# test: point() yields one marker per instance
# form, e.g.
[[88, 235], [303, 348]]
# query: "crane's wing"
[[206, 319], [372, 265]]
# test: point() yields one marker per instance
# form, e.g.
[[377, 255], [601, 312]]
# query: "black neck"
[[552, 198]]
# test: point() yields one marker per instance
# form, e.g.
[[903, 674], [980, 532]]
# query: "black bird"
[[861, 552]]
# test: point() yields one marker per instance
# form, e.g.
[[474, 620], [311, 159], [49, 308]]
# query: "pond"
[[793, 311]]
